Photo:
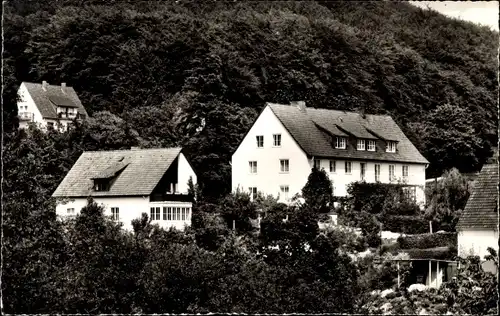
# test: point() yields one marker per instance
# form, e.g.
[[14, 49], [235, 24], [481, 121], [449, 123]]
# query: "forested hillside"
[[150, 72]]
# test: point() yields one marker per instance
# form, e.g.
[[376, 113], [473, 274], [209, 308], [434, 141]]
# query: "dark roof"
[[62, 101], [45, 100], [481, 208], [139, 171], [307, 128]]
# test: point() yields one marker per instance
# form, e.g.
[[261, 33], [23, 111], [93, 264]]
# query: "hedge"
[[424, 241], [438, 253], [404, 224]]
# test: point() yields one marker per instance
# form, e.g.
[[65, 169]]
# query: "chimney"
[[299, 104], [63, 87], [44, 85]]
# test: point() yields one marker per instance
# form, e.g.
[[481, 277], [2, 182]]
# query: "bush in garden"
[[446, 199], [318, 191], [405, 224]]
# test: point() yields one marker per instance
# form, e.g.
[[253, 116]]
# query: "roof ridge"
[[333, 110], [49, 84], [131, 150]]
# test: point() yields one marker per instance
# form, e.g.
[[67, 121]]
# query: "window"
[[70, 211], [164, 213], [253, 166], [371, 145], [173, 188], [115, 213], [101, 184], [377, 173], [362, 170], [284, 192], [260, 141], [277, 140], [391, 172], [391, 147], [155, 213], [333, 166], [405, 171], [340, 142], [253, 192], [361, 144], [348, 167], [284, 165], [178, 213], [317, 164], [50, 124]]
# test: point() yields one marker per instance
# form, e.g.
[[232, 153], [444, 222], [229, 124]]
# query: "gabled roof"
[[308, 129], [45, 100], [481, 209], [137, 172]]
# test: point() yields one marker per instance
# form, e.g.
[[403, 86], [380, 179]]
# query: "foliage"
[[238, 210], [196, 74], [423, 241], [472, 292], [210, 229], [405, 224], [377, 276], [372, 206], [318, 191], [442, 253], [226, 60], [446, 199]]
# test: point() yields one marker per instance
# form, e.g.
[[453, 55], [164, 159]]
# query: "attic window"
[[391, 147], [361, 144], [340, 142], [101, 184], [371, 145]]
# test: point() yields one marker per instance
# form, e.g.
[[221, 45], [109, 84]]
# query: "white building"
[[128, 183], [286, 141], [478, 224], [48, 105]]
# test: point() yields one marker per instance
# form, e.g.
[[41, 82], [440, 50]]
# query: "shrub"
[[318, 192], [390, 248], [400, 208], [405, 224]]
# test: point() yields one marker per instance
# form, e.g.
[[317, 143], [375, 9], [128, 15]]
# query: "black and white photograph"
[[250, 157]]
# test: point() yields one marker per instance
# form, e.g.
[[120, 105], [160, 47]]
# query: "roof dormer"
[[104, 180]]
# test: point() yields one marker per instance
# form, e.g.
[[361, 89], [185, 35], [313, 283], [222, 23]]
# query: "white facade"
[[476, 242], [130, 208], [27, 109], [270, 178], [28, 113], [184, 173]]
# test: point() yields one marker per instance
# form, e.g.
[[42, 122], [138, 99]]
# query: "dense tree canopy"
[[196, 74], [164, 68]]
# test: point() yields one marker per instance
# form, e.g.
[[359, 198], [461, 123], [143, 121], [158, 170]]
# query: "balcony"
[[26, 116]]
